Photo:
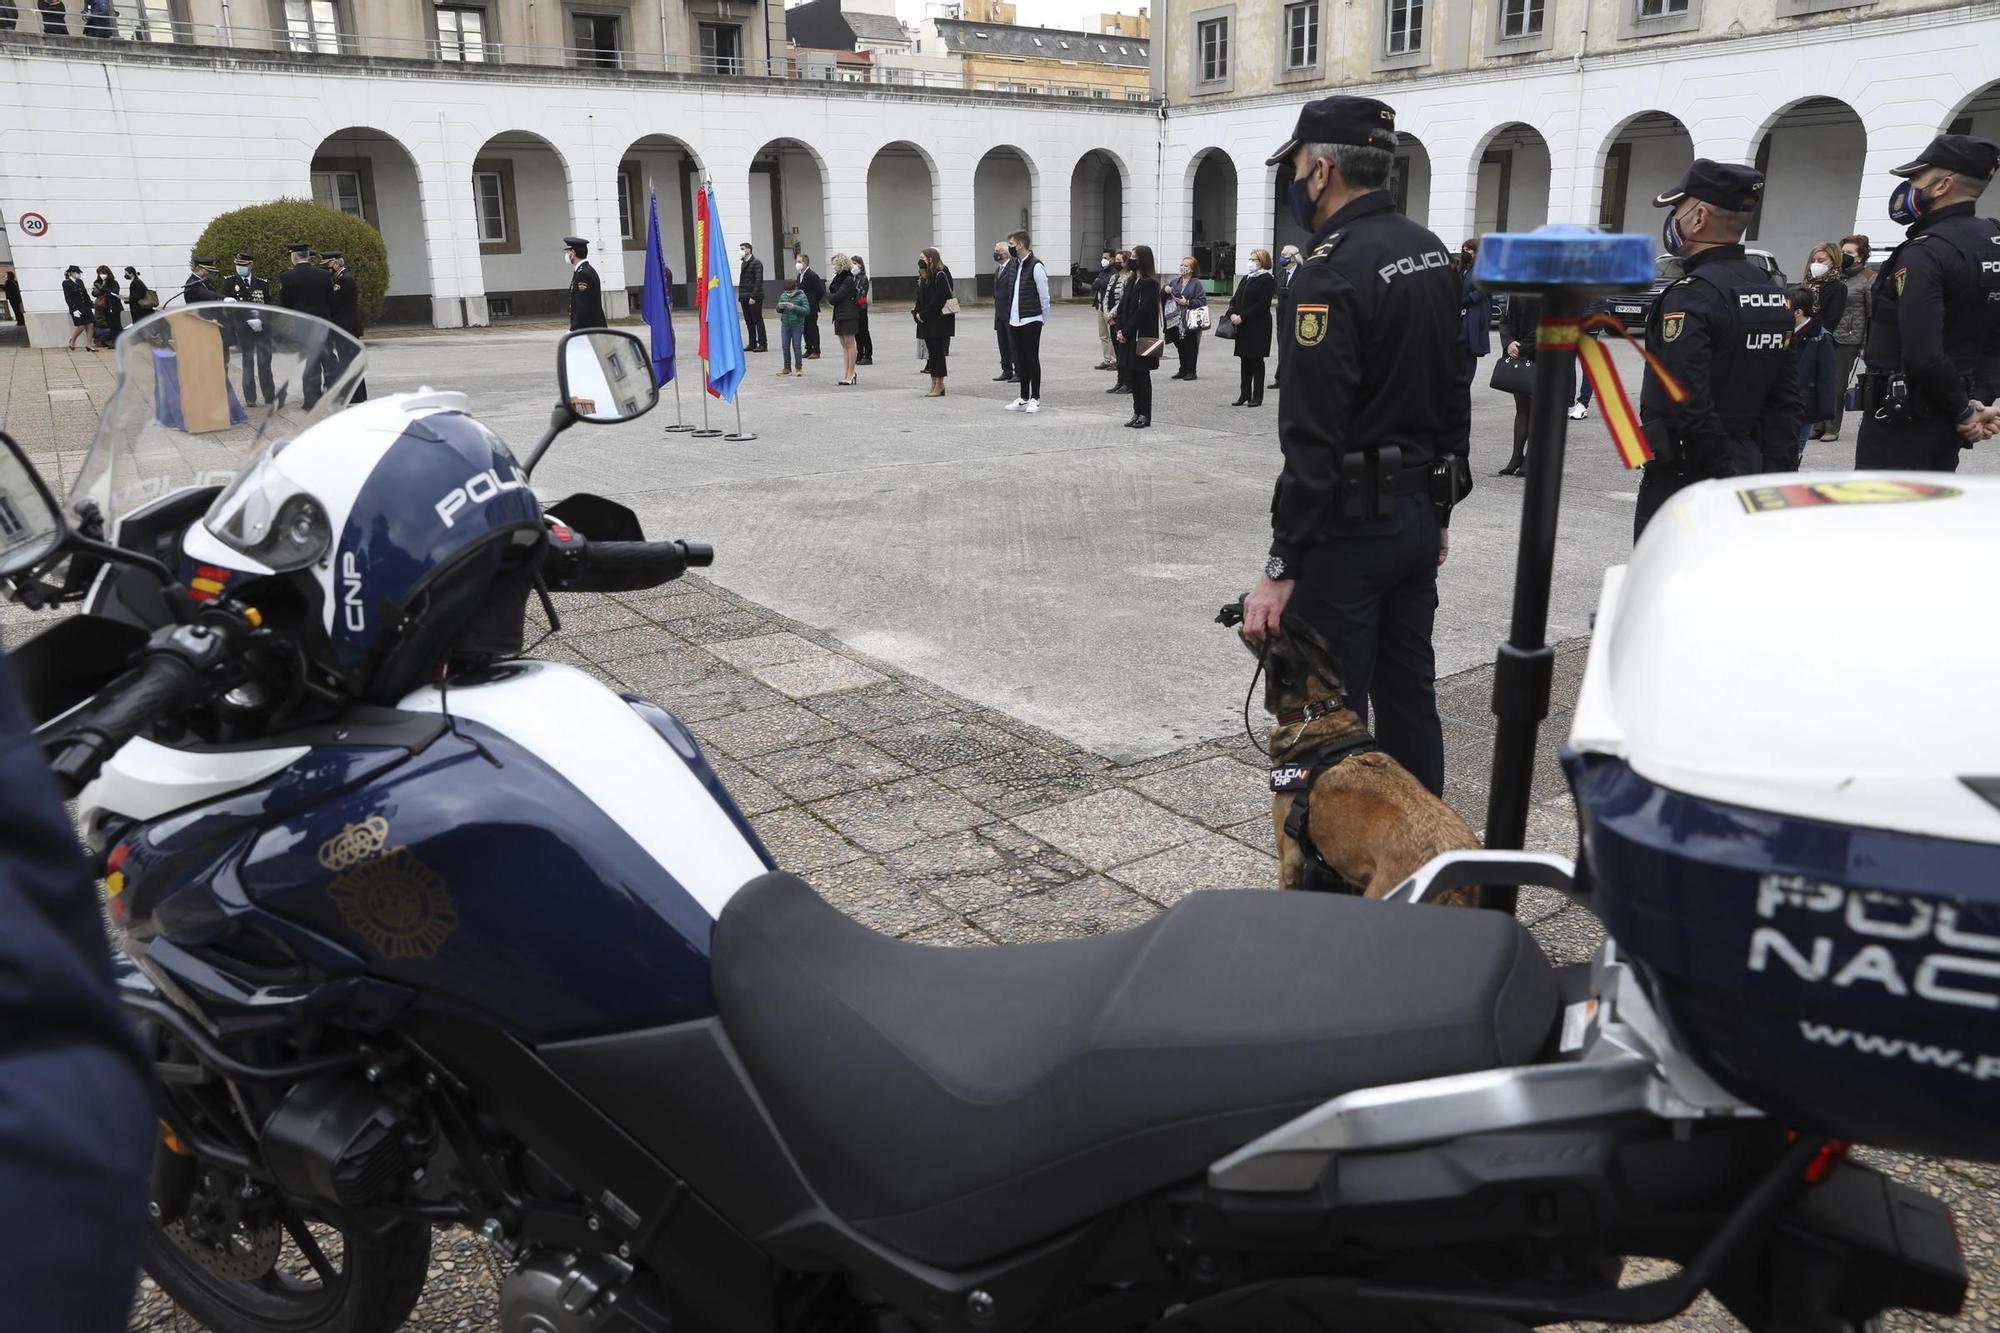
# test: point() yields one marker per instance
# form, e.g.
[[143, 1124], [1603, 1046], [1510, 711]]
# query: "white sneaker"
[[1034, 405], [1017, 405], [1577, 411]]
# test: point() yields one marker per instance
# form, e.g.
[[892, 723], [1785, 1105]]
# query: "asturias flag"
[[657, 301], [721, 323]]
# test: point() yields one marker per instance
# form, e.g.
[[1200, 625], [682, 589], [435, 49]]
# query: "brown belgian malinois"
[[1367, 820]]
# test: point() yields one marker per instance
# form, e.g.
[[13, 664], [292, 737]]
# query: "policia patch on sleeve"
[[1902, 276], [1310, 326], [1671, 325]]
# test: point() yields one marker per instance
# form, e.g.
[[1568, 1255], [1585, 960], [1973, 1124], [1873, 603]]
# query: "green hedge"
[[264, 229]]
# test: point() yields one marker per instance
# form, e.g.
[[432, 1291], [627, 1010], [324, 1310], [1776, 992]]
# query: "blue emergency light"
[[1578, 259]]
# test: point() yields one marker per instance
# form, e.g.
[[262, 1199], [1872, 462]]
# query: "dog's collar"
[[1311, 712], [1300, 776]]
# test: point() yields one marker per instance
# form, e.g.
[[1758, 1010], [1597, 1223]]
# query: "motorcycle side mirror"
[[32, 529], [606, 376]]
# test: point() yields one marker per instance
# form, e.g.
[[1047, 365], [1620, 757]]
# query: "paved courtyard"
[[957, 665]]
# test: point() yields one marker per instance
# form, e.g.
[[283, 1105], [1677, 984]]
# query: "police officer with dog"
[[1374, 426], [1724, 331], [1933, 350]]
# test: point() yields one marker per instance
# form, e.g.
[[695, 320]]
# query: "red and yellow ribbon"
[[1557, 335]]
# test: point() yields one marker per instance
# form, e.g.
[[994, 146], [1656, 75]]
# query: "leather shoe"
[[1140, 423]]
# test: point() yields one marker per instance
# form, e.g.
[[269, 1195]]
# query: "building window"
[[721, 48], [461, 33], [1660, 9], [625, 210], [596, 39], [1302, 35], [146, 21], [1520, 18], [1212, 41], [311, 26], [1406, 27], [339, 190], [489, 196]]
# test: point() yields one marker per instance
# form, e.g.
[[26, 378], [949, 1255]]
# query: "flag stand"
[[706, 432], [740, 434], [679, 424]]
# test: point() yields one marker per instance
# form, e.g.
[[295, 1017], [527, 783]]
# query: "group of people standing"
[[100, 17], [97, 312], [805, 294], [317, 283]]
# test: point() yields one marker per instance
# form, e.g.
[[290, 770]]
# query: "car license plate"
[[1628, 309]]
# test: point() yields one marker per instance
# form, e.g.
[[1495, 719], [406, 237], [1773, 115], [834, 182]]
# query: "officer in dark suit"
[[1725, 332], [308, 289], [1934, 334], [76, 1103], [346, 317], [252, 340], [750, 295], [1006, 272], [197, 288], [1374, 428], [586, 293]]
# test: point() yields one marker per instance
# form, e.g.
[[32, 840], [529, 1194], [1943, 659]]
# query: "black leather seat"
[[959, 1103]]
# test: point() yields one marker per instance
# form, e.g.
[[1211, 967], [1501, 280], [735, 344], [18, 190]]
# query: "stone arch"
[[667, 165], [1410, 179], [1212, 187], [1100, 191], [1511, 191], [899, 174], [1004, 186], [373, 174], [1979, 114], [788, 198], [522, 207], [1812, 153], [1644, 156]]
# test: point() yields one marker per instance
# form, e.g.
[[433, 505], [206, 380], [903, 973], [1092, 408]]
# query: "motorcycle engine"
[[553, 1292], [339, 1138]]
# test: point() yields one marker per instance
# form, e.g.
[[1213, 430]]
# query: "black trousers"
[[256, 349], [1140, 376], [1027, 343], [1917, 446], [1001, 335], [753, 324], [1375, 599], [864, 341], [812, 333], [1189, 350], [934, 361], [1660, 482], [1253, 378]]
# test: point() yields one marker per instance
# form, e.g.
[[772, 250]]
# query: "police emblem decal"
[[1901, 274], [1310, 325], [385, 894], [1671, 325]]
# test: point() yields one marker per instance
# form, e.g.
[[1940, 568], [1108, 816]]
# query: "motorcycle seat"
[[956, 1104]]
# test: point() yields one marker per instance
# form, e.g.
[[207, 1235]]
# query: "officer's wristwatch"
[[1275, 569]]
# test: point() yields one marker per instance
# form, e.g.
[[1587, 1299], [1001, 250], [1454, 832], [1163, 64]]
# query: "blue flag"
[[721, 321], [657, 303]]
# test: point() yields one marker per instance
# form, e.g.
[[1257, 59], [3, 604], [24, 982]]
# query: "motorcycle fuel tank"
[[1786, 759]]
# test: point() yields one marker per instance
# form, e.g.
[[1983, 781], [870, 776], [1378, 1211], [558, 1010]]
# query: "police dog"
[[1369, 819]]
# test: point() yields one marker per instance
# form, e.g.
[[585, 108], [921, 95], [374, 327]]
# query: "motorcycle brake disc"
[[244, 1256]]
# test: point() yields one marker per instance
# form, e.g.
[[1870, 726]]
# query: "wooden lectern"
[[203, 365]]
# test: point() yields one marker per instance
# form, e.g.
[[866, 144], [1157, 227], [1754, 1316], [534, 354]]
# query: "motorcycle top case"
[[1786, 760]]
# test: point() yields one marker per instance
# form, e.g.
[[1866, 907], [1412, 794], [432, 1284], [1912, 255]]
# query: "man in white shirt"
[[1027, 303]]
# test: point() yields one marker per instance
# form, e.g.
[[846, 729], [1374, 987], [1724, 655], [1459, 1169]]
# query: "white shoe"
[[1577, 411], [1017, 405], [1034, 405]]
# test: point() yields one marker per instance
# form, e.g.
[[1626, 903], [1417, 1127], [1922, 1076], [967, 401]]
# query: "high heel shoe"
[[1241, 402], [1512, 469]]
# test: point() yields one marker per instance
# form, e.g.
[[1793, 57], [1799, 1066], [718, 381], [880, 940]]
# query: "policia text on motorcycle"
[[1725, 332], [1372, 463], [1933, 353]]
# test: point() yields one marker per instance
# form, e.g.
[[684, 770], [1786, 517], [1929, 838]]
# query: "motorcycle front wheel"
[[323, 1280]]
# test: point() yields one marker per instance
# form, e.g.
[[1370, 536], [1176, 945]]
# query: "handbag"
[[1850, 394], [1514, 374], [1225, 330], [1197, 317], [950, 306]]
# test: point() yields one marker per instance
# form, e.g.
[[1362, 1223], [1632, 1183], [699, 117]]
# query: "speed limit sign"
[[34, 225]]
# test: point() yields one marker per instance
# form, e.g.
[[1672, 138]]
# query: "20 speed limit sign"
[[34, 225]]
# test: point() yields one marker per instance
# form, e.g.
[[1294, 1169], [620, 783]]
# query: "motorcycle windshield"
[[201, 393]]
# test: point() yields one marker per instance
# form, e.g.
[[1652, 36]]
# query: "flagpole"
[[740, 434], [678, 423], [652, 225], [705, 433]]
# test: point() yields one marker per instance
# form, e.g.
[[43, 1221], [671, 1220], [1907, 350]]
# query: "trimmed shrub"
[[264, 229]]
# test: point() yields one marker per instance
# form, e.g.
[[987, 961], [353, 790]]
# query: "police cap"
[[245, 257], [578, 244], [333, 254], [1977, 158], [204, 261], [1727, 185], [299, 247], [1361, 121]]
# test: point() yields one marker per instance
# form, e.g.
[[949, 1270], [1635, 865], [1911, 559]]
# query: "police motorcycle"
[[424, 932]]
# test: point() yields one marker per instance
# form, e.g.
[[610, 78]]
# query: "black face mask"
[[1846, 261]]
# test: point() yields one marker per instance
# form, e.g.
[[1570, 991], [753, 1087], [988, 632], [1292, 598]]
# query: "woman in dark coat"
[[1139, 333], [1250, 312], [1517, 334], [1475, 307], [138, 296], [1824, 303], [110, 309], [844, 295], [76, 299], [934, 326]]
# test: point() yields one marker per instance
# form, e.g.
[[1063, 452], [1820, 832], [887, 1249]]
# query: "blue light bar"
[[1566, 255]]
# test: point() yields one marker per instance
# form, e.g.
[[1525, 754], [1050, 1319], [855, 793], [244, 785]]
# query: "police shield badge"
[[1671, 324], [1310, 326], [1901, 274]]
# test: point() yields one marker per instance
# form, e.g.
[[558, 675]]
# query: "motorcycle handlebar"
[[630, 566], [171, 679]]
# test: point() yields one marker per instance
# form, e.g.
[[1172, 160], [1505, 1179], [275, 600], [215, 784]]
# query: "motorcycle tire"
[[380, 1279], [1302, 1306]]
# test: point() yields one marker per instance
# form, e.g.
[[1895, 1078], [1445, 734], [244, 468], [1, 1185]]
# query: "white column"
[[1454, 193], [1254, 185], [1052, 211], [1890, 145], [593, 210], [1170, 208], [960, 249], [846, 201], [451, 225]]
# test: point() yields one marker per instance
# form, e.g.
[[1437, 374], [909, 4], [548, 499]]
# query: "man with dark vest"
[[308, 289], [346, 318], [1022, 295], [253, 340], [586, 293], [1933, 348], [1724, 331]]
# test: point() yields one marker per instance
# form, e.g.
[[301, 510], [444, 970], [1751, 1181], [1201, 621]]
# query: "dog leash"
[[1231, 616]]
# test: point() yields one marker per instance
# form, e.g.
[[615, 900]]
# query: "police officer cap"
[[298, 247], [1977, 158], [1361, 121], [204, 261], [333, 254], [246, 258], [578, 244], [73, 268], [1727, 185]]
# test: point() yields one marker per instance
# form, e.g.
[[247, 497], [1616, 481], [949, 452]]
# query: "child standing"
[[792, 309]]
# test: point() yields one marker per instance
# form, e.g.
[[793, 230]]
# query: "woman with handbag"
[[1140, 332], [1515, 372], [936, 313], [864, 341], [1825, 305], [138, 296], [1187, 310], [843, 296], [1249, 319]]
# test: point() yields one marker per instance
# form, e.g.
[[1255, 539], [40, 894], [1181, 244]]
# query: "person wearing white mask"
[[1250, 313], [814, 286], [1100, 288], [1288, 268], [1823, 301]]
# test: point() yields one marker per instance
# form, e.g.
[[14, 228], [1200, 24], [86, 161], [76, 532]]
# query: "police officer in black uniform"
[[1725, 332], [1374, 425], [197, 288], [346, 317], [308, 289], [586, 294], [1934, 334], [252, 339]]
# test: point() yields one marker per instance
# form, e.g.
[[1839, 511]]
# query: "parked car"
[[1667, 270]]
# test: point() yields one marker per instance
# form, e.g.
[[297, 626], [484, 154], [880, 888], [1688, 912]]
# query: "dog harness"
[[1298, 778]]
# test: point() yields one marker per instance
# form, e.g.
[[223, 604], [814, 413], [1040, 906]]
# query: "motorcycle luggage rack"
[[1487, 868]]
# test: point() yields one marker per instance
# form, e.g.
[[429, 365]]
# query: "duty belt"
[[1887, 391]]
